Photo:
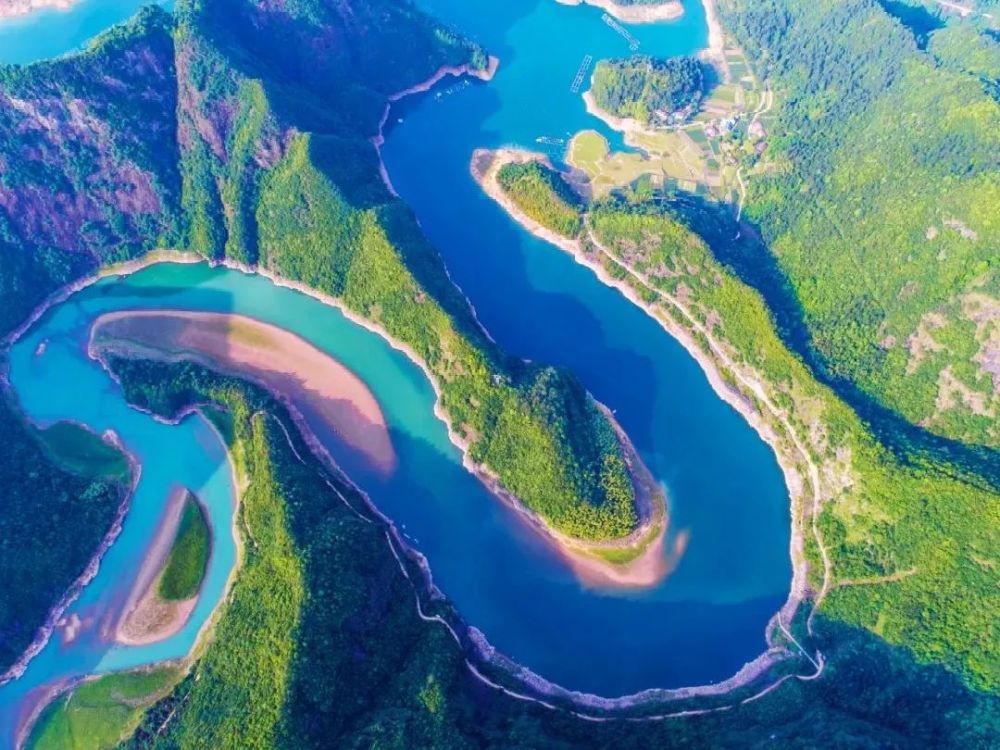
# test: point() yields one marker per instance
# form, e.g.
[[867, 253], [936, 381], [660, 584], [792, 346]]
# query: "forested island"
[[166, 591], [850, 314], [649, 90]]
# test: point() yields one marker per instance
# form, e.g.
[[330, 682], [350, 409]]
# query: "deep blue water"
[[723, 481]]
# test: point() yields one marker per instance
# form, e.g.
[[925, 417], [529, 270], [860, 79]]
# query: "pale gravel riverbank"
[[668, 10], [16, 8]]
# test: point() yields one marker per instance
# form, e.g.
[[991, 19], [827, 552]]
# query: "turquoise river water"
[[700, 625]]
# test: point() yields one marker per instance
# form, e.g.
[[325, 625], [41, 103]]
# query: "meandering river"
[[700, 625]]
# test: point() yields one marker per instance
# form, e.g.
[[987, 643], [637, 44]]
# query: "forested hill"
[[76, 191], [878, 198], [108, 154], [648, 89]]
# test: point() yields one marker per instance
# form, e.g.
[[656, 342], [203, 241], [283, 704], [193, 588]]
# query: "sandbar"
[[147, 617], [301, 376], [649, 13], [14, 8]]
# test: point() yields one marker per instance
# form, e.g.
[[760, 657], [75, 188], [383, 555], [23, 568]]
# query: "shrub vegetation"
[[543, 195], [649, 89]]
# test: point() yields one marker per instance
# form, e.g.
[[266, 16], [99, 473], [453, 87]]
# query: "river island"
[[166, 589]]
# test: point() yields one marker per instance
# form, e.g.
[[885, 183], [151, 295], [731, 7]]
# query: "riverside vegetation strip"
[[101, 712]]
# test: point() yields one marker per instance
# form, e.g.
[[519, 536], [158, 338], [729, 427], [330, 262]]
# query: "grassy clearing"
[[625, 555], [673, 155], [185, 567], [101, 713], [726, 94], [588, 148]]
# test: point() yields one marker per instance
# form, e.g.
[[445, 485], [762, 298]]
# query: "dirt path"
[[766, 102]]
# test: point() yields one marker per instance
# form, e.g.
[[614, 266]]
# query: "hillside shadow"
[[741, 248], [917, 19]]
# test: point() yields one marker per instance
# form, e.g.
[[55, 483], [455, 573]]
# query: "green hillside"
[[81, 483], [878, 201]]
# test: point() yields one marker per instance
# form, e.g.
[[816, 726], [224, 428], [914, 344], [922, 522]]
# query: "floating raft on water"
[[581, 74], [633, 43]]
